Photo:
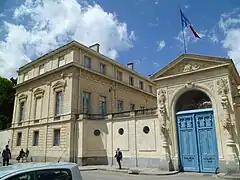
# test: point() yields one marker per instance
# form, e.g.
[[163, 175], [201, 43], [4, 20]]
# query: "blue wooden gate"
[[197, 141]]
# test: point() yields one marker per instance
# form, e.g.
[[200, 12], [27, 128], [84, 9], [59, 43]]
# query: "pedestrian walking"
[[6, 155], [119, 157]]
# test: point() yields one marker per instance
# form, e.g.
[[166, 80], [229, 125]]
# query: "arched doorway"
[[196, 132]]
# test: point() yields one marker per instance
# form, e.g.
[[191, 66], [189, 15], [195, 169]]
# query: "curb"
[[228, 176], [131, 171]]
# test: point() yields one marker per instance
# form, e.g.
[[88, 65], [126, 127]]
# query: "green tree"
[[7, 93]]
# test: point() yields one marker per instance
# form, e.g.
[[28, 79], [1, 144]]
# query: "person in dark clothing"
[[119, 156], [6, 155], [21, 155]]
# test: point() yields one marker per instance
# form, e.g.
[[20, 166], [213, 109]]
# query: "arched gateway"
[[196, 133]]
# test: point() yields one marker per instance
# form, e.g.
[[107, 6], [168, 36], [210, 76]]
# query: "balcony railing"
[[136, 113], [121, 114]]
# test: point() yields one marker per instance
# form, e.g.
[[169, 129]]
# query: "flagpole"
[[184, 42]]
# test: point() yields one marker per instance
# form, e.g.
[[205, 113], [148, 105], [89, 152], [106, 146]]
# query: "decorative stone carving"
[[189, 84], [190, 67], [223, 88], [38, 92], [59, 85], [162, 101], [22, 97]]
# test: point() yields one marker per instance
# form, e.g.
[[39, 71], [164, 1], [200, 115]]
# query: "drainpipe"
[[49, 93]]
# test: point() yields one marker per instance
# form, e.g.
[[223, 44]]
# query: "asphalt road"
[[103, 175]]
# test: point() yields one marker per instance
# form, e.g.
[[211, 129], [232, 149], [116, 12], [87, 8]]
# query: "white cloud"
[[156, 65], [52, 23], [189, 37], [230, 25], [160, 45], [186, 6], [213, 36]]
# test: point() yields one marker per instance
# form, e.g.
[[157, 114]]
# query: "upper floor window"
[[38, 108], [103, 105], [61, 61], [102, 68], [140, 84], [131, 80], [21, 111], [150, 88], [87, 62], [41, 69], [35, 138], [86, 102], [58, 105], [19, 139], [25, 76], [119, 75], [119, 106]]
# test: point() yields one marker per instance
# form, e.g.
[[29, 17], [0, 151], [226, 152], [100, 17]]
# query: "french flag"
[[186, 22]]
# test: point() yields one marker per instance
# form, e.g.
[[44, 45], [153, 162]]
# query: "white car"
[[41, 171]]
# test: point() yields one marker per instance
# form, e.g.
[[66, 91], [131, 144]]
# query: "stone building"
[[55, 89], [194, 125]]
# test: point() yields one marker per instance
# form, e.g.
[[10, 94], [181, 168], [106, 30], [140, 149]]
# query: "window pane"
[[54, 174], [103, 105], [21, 111], [87, 61], [58, 103], [56, 140], [38, 108], [86, 102], [19, 139], [35, 138], [23, 176]]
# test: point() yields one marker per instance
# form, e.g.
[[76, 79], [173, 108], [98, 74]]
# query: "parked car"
[[41, 171]]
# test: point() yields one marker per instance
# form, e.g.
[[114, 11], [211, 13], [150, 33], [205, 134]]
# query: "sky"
[[145, 32]]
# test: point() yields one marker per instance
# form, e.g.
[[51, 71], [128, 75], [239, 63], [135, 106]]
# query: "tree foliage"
[[7, 93]]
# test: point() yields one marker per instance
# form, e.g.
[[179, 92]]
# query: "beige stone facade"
[[67, 73], [147, 137]]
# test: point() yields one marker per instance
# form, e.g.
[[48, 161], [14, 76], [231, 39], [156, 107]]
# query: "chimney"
[[95, 47], [130, 66]]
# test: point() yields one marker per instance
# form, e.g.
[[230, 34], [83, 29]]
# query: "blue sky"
[[146, 32]]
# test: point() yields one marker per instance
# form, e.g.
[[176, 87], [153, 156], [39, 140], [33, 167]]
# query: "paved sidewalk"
[[140, 171]]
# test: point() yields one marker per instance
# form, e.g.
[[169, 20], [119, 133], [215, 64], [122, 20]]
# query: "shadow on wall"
[[96, 144]]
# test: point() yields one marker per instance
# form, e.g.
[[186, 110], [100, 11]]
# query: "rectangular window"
[[119, 106], [35, 138], [61, 61], [119, 75], [103, 105], [38, 108], [86, 102], [41, 69], [102, 68], [150, 88], [19, 139], [25, 76], [87, 62], [56, 137], [132, 107], [140, 84], [131, 80], [58, 109], [21, 111]]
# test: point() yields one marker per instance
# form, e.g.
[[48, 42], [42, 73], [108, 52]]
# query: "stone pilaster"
[[232, 161]]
